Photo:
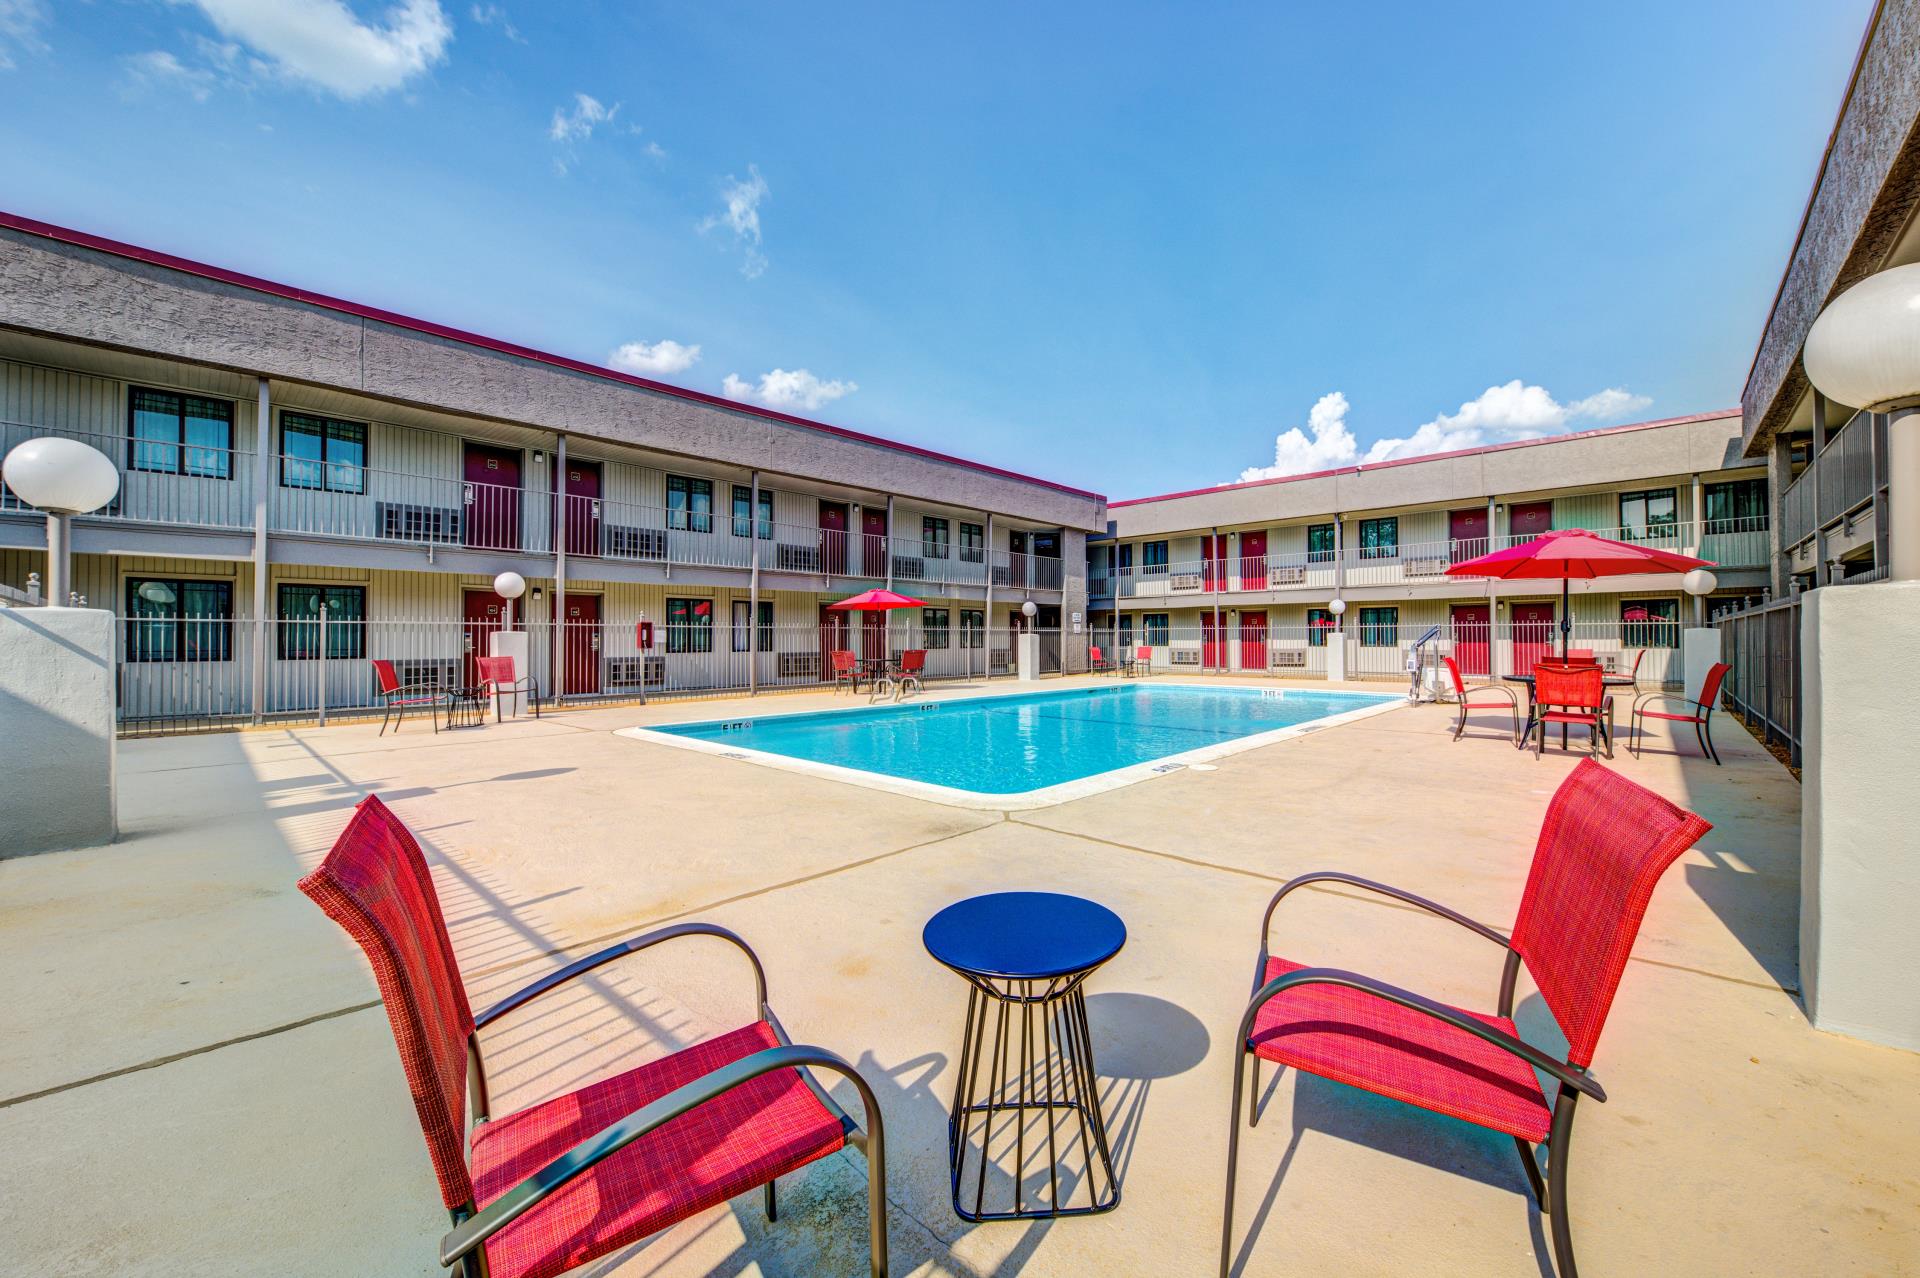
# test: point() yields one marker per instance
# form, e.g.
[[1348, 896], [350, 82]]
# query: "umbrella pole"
[[1566, 618]]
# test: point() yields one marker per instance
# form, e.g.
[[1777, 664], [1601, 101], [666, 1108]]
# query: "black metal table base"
[[1037, 1072]]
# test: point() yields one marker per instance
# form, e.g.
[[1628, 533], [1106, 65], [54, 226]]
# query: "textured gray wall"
[[94, 296], [56, 729], [1870, 188]]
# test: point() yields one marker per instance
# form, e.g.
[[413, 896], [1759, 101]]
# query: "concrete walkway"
[[196, 1078]]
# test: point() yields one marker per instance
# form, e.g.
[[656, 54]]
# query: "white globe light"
[[1027, 609], [1699, 582], [509, 585], [1337, 607], [1864, 350], [61, 476]]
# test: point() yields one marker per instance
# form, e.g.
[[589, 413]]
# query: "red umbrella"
[[1567, 553], [875, 601]]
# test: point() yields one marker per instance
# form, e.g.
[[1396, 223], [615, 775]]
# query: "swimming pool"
[[1023, 749]]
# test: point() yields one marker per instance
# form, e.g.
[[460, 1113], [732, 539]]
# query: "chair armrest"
[[471, 1233], [1566, 1074], [629, 946], [1398, 894], [1646, 698], [418, 689]]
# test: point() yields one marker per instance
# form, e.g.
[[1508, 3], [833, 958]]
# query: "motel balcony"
[[1835, 495]]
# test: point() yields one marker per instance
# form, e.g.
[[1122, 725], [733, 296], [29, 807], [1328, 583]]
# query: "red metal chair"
[[496, 677], [846, 669], [397, 698], [1697, 712], [913, 664], [1603, 846], [1143, 659], [542, 1190], [1568, 695], [1581, 657], [1098, 661], [1510, 701]]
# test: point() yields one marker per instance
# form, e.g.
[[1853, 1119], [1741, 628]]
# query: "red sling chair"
[[1509, 700], [1602, 848], [539, 1191], [496, 677]]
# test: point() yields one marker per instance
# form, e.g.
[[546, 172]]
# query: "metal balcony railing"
[[160, 482], [1834, 485]]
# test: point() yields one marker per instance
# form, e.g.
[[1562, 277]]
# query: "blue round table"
[[1025, 957]]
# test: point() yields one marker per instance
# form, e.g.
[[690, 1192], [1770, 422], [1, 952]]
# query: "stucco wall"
[[56, 729]]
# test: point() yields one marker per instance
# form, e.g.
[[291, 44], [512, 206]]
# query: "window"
[[973, 628], [299, 629], [689, 625], [1319, 626], [742, 610], [1126, 633], [320, 452], [689, 504], [933, 537], [1154, 628], [1738, 505], [169, 619], [1650, 623], [179, 434], [1379, 627], [1153, 557], [1651, 515], [1380, 538], [1320, 543], [973, 544], [933, 625], [743, 522], [1126, 559]]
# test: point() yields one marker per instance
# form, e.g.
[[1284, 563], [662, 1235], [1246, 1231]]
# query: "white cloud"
[[784, 389], [578, 124], [20, 23], [655, 359], [741, 215], [325, 44], [160, 69], [1499, 414], [488, 15]]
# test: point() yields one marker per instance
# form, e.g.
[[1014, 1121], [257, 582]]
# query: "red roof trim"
[[188, 266], [1428, 457]]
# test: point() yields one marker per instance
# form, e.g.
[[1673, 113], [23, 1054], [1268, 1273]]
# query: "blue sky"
[[1123, 247]]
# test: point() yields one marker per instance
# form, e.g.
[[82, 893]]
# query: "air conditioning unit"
[[1183, 582], [1184, 656], [797, 558], [909, 568], [1426, 567], [1277, 575], [1289, 658], [799, 665], [400, 521], [636, 672], [636, 543]]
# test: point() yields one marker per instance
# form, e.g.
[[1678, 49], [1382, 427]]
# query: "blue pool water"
[[1009, 745]]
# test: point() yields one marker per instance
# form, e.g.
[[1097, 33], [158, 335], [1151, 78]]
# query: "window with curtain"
[[742, 623], [689, 504], [933, 537], [1153, 557], [1379, 627], [1737, 505], [973, 544], [179, 434], [1652, 514], [744, 524], [1319, 626], [173, 619], [1380, 538], [689, 625], [1154, 629], [299, 629], [1650, 623], [973, 628], [1320, 543], [322, 453], [933, 627], [1126, 632]]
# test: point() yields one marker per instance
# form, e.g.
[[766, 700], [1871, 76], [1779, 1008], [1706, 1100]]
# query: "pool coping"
[[1019, 800]]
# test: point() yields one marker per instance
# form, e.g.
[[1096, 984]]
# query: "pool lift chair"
[[1423, 667]]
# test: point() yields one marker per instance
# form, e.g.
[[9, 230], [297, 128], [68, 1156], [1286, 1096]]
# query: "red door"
[[1467, 530], [833, 538], [873, 635], [833, 638], [1529, 519], [873, 542], [583, 508], [482, 613], [1253, 637], [1471, 624], [1213, 649], [1213, 553], [1532, 635], [580, 643], [1253, 565], [491, 497]]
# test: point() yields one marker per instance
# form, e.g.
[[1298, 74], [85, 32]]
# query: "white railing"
[[160, 482]]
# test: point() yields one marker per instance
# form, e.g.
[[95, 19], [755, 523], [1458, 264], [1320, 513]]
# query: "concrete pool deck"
[[198, 1078]]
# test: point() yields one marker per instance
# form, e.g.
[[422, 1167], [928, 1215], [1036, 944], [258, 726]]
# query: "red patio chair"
[[1603, 846], [496, 677], [1581, 657], [544, 1189], [1510, 700], [397, 698], [1097, 661], [913, 664], [1572, 694], [1143, 659], [1696, 712], [846, 669]]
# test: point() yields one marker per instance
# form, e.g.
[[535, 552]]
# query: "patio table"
[[466, 707], [1025, 957]]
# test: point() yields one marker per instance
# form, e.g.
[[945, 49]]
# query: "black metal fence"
[[1762, 648]]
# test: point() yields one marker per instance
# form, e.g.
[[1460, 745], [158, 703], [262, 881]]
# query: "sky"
[[1132, 248]]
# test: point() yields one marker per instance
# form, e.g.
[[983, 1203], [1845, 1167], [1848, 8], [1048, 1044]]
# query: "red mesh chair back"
[[913, 661], [1638, 657], [1574, 687], [385, 675], [495, 670], [1710, 686], [1604, 845], [1093, 651], [375, 884], [1581, 657], [1143, 653], [1453, 673], [842, 661]]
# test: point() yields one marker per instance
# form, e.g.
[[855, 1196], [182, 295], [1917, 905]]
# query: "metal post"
[[1820, 513], [59, 559], [753, 595], [1779, 479], [1213, 556], [986, 615], [557, 636], [1699, 543], [1493, 594], [1340, 578], [262, 486], [323, 661], [1903, 501]]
